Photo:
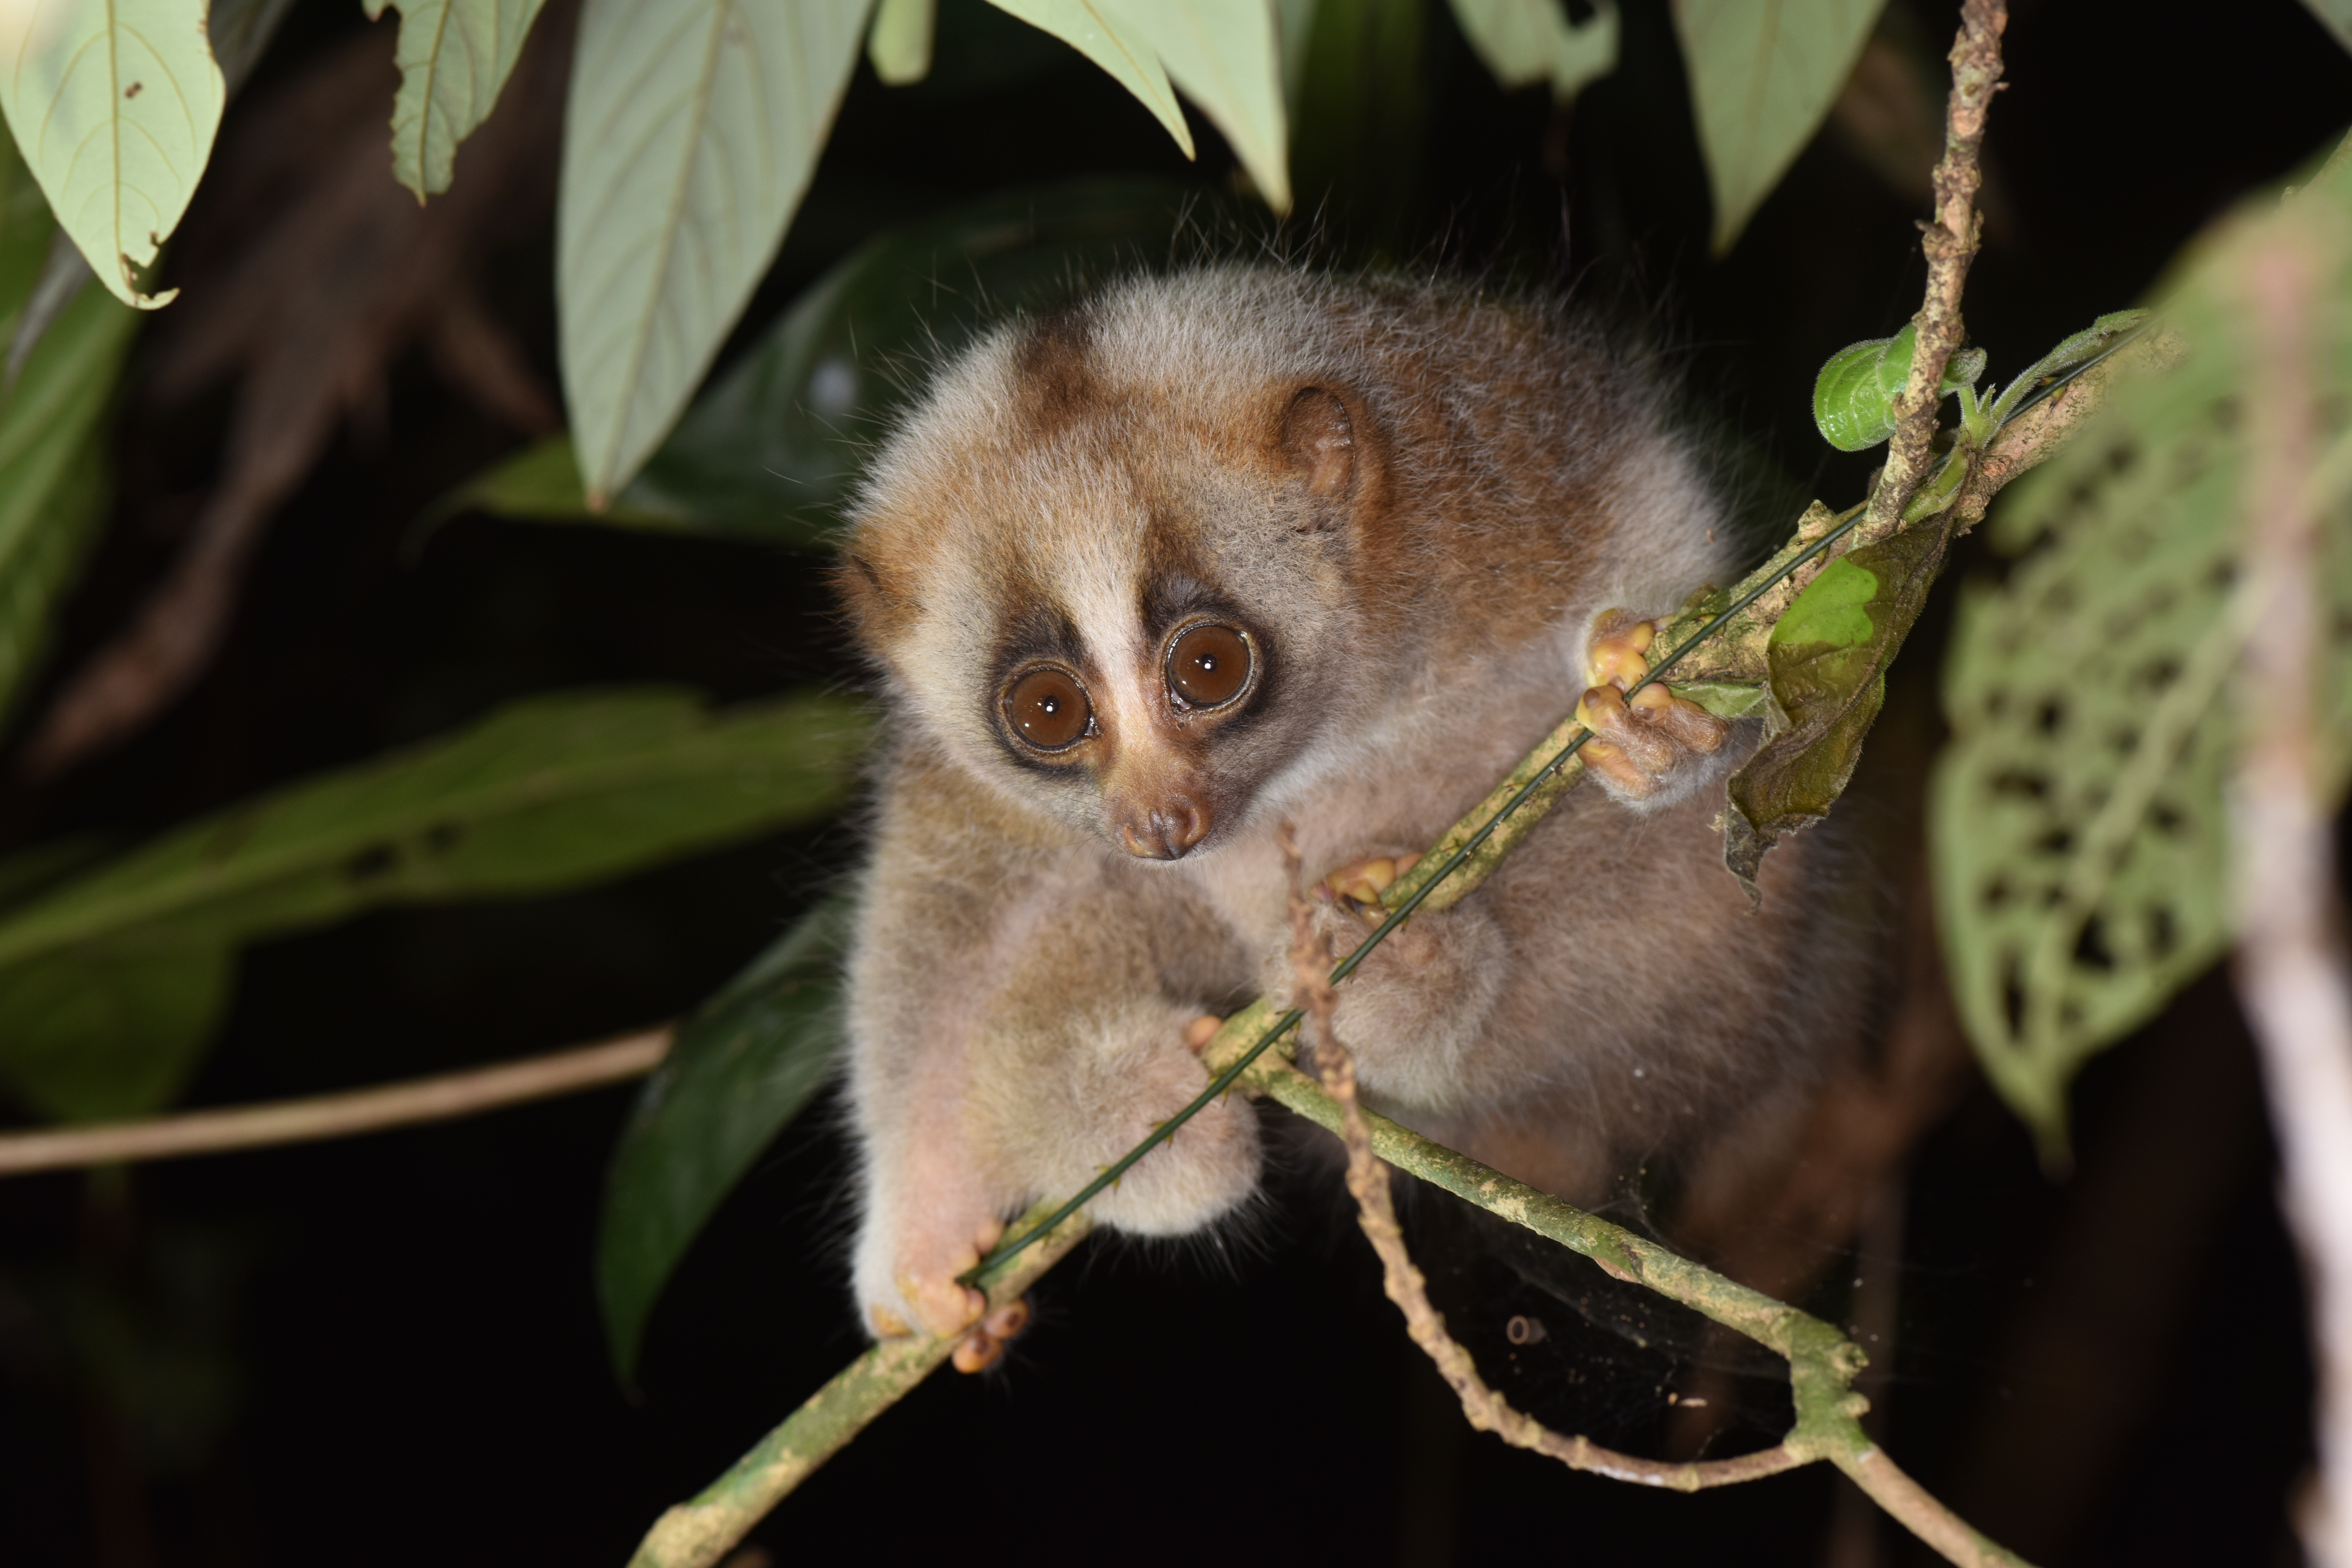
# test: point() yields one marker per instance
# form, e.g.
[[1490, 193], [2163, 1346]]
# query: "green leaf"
[[543, 795], [772, 446], [52, 474], [111, 1029], [114, 106], [691, 134], [1107, 34], [2336, 16], [1226, 57], [454, 57], [2076, 820], [748, 1061], [1828, 656], [1762, 79], [899, 43], [25, 231], [1527, 41]]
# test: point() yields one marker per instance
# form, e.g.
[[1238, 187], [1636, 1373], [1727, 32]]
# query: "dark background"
[[385, 1350]]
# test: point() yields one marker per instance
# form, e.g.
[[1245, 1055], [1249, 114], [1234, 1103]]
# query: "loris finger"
[[976, 1351], [1200, 1031]]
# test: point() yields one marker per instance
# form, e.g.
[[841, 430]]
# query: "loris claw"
[[1640, 744], [1144, 579]]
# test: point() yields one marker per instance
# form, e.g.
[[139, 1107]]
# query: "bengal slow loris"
[[1145, 579]]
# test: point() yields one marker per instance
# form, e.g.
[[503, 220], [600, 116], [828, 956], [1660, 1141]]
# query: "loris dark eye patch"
[[1209, 665], [1048, 709]]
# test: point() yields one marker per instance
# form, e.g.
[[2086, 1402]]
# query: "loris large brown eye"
[[1209, 665], [1048, 709]]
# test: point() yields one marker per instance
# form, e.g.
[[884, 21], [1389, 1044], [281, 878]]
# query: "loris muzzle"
[[1206, 553]]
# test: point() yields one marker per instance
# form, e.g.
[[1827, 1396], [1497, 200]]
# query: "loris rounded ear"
[[877, 608], [1327, 437]]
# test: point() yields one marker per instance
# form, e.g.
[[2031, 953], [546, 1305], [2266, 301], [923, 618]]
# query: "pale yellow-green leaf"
[[1763, 74], [1110, 39], [1226, 57], [900, 42], [2336, 16], [454, 57], [692, 131], [1527, 41], [114, 104]]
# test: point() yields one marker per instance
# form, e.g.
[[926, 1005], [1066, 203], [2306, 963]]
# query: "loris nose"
[[1166, 831]]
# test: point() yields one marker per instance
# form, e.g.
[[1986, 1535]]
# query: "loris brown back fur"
[[1209, 552]]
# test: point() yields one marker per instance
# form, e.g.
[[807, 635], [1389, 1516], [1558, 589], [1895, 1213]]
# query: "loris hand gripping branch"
[[1146, 579]]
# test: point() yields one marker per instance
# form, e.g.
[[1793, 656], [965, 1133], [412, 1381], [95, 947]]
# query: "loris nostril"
[[1191, 829]]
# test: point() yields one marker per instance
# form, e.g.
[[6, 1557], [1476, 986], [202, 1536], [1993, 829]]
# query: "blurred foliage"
[[112, 982], [2077, 824]]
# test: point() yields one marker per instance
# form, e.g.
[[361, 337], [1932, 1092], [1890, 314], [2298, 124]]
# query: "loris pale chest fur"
[[1214, 552]]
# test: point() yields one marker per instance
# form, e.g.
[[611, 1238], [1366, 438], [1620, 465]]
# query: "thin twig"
[[1368, 1180], [1950, 243], [1823, 1363], [2290, 967], [338, 1115]]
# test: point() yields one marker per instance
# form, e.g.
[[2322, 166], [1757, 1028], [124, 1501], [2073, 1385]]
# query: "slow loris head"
[[1153, 561], [1112, 562]]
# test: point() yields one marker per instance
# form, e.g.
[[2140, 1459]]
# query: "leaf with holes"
[[454, 57], [114, 108], [1527, 41], [2076, 820], [691, 134], [1762, 79], [110, 981], [748, 1062]]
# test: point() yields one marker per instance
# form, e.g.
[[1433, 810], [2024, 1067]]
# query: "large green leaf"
[[691, 134], [743, 1065], [454, 57], [110, 981], [2076, 820], [773, 444], [1763, 74], [1225, 54], [1527, 41], [1109, 35], [114, 106]]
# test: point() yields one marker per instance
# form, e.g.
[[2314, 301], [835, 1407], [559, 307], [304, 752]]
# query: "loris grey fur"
[[1211, 551]]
